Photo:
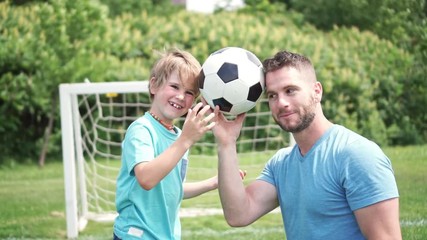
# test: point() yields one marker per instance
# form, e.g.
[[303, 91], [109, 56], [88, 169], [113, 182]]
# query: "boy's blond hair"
[[175, 59]]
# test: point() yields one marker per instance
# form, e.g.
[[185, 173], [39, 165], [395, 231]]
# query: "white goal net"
[[94, 119]]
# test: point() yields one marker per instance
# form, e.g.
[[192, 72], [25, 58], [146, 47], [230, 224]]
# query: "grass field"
[[32, 204]]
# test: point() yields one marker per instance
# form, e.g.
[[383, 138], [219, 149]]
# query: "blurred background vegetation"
[[370, 56]]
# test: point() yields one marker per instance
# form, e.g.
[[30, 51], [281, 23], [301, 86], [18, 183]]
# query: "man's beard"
[[305, 120]]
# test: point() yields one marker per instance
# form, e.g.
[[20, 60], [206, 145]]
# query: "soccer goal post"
[[94, 119]]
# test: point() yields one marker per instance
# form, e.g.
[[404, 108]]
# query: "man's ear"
[[318, 92]]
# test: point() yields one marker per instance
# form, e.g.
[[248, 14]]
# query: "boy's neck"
[[169, 127]]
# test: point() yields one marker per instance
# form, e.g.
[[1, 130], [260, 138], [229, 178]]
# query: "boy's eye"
[[189, 93]]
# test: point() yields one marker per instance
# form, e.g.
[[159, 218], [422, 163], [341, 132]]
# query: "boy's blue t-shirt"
[[152, 214], [318, 192]]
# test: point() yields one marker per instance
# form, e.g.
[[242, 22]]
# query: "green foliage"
[[116, 8], [43, 44], [132, 7], [404, 23], [256, 6], [327, 13]]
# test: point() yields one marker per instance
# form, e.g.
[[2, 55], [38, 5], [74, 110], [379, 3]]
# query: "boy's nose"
[[180, 96]]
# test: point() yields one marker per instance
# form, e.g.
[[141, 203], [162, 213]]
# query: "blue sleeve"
[[137, 147], [367, 175], [274, 165], [267, 173]]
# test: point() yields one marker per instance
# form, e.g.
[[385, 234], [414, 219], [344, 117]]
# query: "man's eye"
[[290, 91], [271, 96]]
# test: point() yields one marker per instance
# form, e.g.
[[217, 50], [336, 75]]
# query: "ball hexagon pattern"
[[233, 79]]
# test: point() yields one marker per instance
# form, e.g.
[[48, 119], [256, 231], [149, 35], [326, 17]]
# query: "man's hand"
[[227, 131]]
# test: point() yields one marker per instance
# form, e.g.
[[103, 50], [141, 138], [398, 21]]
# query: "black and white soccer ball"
[[233, 79]]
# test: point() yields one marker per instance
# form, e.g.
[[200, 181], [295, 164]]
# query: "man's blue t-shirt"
[[152, 214], [318, 192]]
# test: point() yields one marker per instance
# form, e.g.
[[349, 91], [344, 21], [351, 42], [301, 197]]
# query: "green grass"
[[32, 202]]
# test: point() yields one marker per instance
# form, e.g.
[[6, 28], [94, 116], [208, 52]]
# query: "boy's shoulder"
[[140, 124]]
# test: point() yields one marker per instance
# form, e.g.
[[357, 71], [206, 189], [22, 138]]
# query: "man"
[[333, 184]]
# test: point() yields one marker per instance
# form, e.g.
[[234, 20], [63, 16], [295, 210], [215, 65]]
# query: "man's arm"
[[241, 206], [380, 220]]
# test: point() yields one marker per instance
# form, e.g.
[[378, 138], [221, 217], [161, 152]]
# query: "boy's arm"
[[195, 189], [149, 174]]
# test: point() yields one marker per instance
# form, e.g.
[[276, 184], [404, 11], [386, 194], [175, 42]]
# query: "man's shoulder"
[[282, 154], [351, 143], [350, 138]]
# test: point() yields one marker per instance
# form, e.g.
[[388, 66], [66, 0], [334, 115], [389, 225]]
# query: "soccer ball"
[[233, 79]]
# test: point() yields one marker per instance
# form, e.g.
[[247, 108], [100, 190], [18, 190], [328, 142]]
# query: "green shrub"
[[45, 44], [42, 45], [404, 23]]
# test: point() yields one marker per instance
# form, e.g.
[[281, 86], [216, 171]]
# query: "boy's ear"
[[151, 85]]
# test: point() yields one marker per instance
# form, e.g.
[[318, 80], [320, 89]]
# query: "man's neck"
[[309, 136]]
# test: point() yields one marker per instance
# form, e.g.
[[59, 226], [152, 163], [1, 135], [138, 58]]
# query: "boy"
[[150, 184]]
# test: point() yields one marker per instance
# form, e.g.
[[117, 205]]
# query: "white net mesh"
[[103, 120]]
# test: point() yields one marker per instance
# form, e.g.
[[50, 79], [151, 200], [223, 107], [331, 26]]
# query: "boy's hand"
[[242, 174], [202, 100], [198, 122]]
